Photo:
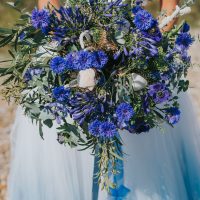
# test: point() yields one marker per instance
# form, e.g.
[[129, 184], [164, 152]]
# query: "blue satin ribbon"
[[118, 193]]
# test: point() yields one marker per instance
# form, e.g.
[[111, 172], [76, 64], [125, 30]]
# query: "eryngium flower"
[[40, 19], [107, 130], [173, 115], [144, 20], [184, 40], [124, 112], [32, 72], [159, 93], [61, 94], [58, 65]]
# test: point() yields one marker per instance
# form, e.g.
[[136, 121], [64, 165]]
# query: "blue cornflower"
[[124, 112], [61, 94], [58, 65], [84, 60], [94, 128], [40, 19], [32, 72], [70, 60], [107, 130], [184, 40], [144, 20], [101, 59], [136, 9], [159, 92], [173, 115]]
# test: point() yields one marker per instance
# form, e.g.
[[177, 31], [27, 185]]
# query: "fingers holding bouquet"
[[52, 3]]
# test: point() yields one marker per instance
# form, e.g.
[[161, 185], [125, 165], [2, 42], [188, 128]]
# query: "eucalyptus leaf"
[[121, 41], [48, 122], [6, 31], [6, 40], [119, 35], [40, 129]]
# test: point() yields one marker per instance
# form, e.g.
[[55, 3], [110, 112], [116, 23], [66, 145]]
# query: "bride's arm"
[[168, 6], [43, 3]]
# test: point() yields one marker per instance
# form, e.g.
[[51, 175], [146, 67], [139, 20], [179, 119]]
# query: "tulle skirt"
[[159, 165], [44, 169]]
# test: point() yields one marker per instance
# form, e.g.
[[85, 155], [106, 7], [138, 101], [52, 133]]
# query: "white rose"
[[138, 82], [87, 79]]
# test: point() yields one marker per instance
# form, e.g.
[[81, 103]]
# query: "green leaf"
[[48, 123], [40, 129], [45, 116], [3, 70], [116, 155], [119, 35], [17, 2], [12, 5], [11, 53], [6, 31], [6, 40], [8, 80], [121, 41]]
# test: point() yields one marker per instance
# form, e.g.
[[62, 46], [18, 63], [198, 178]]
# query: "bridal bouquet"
[[95, 68]]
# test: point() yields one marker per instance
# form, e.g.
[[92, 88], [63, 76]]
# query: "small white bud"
[[138, 82], [87, 79]]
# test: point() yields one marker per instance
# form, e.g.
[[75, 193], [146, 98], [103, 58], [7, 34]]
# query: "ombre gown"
[[159, 165]]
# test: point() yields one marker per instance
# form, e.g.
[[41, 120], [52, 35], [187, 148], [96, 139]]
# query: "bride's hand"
[[44, 3], [168, 7]]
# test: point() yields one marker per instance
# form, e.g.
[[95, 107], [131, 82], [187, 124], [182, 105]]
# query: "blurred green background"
[[8, 16]]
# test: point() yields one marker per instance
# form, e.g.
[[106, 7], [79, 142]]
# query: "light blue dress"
[[158, 165], [164, 166]]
